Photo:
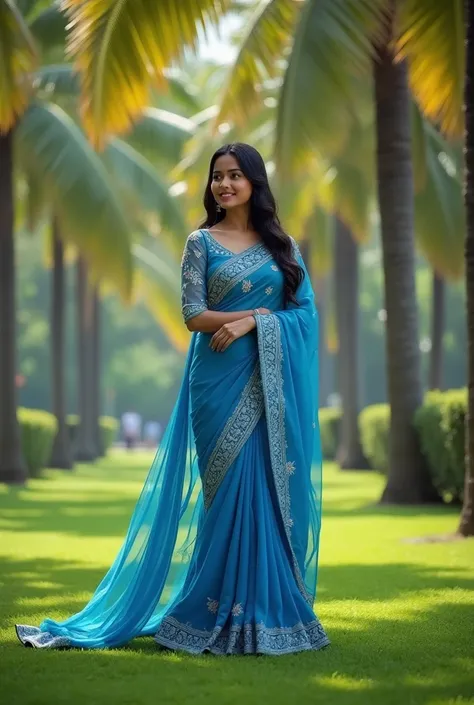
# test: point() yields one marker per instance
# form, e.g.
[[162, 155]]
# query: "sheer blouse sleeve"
[[194, 276]]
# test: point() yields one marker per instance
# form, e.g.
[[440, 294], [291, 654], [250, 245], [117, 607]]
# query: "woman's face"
[[229, 186]]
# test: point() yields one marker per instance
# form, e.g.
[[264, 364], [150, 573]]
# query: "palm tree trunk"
[[96, 372], [325, 376], [12, 467], [85, 450], [437, 332], [349, 454], [61, 456], [466, 525], [408, 477]]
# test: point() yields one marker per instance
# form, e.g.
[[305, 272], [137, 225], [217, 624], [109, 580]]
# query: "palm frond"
[[143, 185], [77, 185], [320, 230], [160, 135], [332, 45], [439, 211], [432, 37], [157, 283], [298, 198], [122, 47], [267, 35], [352, 200], [418, 146], [354, 182], [18, 58], [181, 94]]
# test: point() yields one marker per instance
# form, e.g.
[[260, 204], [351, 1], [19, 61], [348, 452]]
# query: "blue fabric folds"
[[221, 553]]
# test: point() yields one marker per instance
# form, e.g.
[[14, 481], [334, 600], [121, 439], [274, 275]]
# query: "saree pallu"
[[221, 553]]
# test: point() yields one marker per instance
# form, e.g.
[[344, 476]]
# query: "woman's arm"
[[197, 316], [212, 321]]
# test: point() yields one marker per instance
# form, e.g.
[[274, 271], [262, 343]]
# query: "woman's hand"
[[229, 332]]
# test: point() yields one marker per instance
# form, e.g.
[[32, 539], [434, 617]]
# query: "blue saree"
[[221, 553]]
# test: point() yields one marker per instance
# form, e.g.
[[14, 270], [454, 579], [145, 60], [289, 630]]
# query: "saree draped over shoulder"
[[221, 552]]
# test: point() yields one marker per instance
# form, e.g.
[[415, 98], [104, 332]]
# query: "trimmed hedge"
[[440, 423], [37, 432], [108, 425], [329, 425], [374, 425]]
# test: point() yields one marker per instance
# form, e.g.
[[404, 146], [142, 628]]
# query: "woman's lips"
[[226, 196]]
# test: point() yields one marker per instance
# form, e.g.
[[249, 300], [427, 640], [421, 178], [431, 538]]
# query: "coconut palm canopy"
[[102, 202]]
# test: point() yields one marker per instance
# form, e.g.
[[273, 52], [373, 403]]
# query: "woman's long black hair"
[[263, 213]]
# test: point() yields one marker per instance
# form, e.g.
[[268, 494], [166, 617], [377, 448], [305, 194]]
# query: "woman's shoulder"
[[198, 239], [294, 246], [196, 235]]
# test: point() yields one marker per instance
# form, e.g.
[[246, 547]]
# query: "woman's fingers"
[[217, 340], [226, 344], [221, 340], [216, 337], [222, 343]]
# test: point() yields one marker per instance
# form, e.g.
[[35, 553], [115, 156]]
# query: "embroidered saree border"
[[242, 638], [271, 364], [235, 433], [231, 271]]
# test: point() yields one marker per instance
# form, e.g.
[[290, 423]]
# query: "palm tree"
[[53, 153], [17, 55], [61, 456], [335, 40], [123, 49], [466, 526], [349, 453], [86, 450], [12, 468], [96, 385], [408, 477], [439, 221]]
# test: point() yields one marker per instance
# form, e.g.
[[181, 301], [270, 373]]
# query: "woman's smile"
[[226, 197]]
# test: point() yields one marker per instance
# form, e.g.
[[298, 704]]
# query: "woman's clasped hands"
[[229, 332]]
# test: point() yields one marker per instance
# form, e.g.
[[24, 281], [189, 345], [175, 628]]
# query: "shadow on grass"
[[102, 514], [417, 658], [96, 516]]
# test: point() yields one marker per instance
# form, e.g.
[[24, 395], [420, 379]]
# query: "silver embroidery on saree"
[[237, 430], [229, 273], [271, 360]]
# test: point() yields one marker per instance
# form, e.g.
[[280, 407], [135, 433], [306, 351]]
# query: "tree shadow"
[[383, 582], [96, 516], [103, 513]]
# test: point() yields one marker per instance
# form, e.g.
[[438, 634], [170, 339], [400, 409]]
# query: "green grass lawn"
[[400, 614]]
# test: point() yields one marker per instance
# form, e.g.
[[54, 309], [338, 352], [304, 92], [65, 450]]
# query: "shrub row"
[[37, 432], [439, 423], [329, 425]]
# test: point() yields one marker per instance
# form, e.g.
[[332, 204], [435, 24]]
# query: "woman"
[[227, 565]]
